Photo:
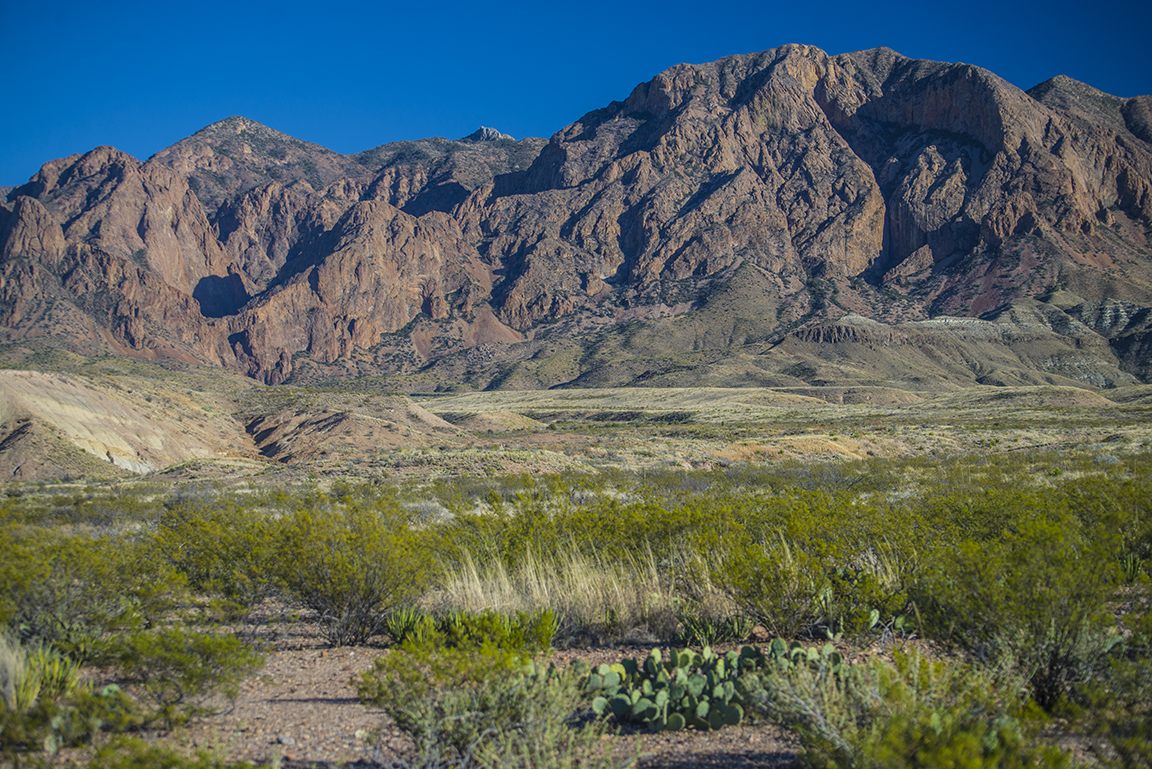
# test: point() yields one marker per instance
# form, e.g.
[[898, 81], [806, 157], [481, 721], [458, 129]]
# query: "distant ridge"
[[785, 218]]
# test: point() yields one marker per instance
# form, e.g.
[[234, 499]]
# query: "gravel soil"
[[301, 710]]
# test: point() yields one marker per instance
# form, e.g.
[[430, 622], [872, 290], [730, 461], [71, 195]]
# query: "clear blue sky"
[[352, 75]]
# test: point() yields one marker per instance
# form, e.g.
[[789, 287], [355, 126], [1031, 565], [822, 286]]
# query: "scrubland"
[[971, 610]]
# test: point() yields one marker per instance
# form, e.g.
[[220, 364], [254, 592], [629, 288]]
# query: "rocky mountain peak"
[[486, 134], [739, 205], [238, 154], [1133, 115]]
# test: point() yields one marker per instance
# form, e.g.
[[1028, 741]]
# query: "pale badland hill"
[[117, 420]]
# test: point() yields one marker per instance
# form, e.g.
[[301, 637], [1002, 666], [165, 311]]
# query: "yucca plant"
[[20, 682]]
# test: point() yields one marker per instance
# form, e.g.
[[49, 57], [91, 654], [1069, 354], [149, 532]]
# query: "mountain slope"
[[723, 212]]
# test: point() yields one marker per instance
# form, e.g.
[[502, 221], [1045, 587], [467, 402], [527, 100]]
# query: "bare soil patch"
[[302, 710]]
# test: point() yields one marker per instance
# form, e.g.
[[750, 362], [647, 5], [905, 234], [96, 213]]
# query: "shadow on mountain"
[[442, 197], [220, 295]]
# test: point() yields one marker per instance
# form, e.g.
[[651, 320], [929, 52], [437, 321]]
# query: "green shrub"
[[854, 602], [484, 707], [51, 725], [133, 753], [1114, 707], [914, 713], [352, 565], [70, 591], [774, 583], [222, 549], [79, 717], [1038, 598], [179, 670]]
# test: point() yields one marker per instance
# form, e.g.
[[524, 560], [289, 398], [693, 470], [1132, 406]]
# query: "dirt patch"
[[302, 709], [347, 427]]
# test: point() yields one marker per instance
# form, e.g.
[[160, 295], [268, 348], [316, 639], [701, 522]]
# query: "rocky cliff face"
[[789, 187]]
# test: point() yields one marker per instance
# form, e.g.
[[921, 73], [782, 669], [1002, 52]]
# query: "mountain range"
[[777, 219]]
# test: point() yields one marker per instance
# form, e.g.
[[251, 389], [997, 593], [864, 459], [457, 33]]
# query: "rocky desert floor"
[[301, 711]]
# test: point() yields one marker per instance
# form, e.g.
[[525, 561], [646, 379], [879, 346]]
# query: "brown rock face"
[[865, 183], [385, 268], [237, 154], [110, 201]]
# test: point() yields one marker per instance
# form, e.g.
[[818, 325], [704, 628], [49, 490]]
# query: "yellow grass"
[[625, 598]]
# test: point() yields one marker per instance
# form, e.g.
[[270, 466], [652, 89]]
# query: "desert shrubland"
[[1016, 592]]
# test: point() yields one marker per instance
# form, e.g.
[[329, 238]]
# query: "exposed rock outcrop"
[[866, 184], [486, 134]]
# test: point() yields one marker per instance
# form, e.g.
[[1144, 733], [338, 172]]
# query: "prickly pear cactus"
[[787, 656], [702, 689]]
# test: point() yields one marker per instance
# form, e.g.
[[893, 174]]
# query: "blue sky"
[[353, 75]]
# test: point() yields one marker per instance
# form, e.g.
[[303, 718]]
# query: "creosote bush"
[[1037, 596], [911, 713], [133, 753], [1000, 559], [178, 669], [1115, 707], [70, 591], [772, 582], [224, 550], [353, 565]]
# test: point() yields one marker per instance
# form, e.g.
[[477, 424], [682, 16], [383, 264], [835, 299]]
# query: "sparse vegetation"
[[1015, 571], [474, 697], [913, 712]]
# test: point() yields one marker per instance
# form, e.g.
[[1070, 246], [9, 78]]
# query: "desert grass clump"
[[519, 632], [28, 674], [44, 707], [596, 597]]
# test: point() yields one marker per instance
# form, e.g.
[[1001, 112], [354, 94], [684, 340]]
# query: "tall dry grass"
[[627, 597]]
